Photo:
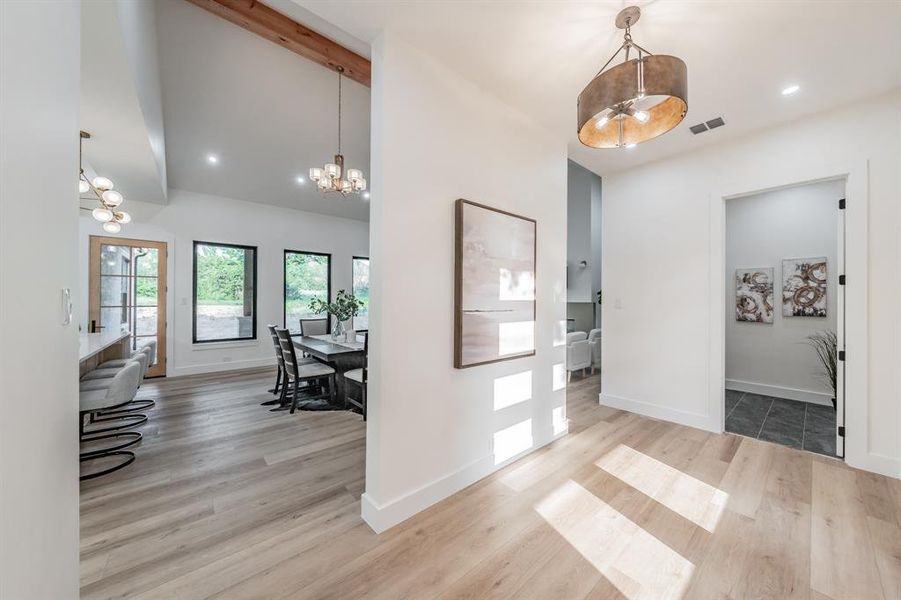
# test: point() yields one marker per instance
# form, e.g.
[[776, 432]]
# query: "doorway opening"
[[784, 329]]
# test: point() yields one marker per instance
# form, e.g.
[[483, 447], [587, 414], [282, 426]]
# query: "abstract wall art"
[[494, 287], [804, 287], [754, 300]]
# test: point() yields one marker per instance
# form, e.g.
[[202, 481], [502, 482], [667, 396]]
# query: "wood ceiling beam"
[[276, 27]]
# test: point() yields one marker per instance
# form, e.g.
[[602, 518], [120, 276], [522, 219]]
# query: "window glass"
[[307, 277], [224, 292], [361, 291]]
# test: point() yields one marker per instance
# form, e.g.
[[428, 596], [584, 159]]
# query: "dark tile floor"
[[788, 422]]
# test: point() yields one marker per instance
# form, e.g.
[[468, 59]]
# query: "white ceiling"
[[126, 143], [266, 113], [740, 55]]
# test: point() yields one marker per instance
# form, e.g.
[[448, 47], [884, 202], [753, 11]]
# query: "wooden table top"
[[324, 347]]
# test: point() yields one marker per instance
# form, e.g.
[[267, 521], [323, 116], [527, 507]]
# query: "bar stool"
[[121, 391], [297, 372], [126, 412]]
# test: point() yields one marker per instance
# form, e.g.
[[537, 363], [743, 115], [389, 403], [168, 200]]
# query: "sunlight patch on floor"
[[699, 502], [637, 563]]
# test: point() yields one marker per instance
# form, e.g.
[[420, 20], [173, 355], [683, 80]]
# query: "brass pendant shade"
[[634, 101]]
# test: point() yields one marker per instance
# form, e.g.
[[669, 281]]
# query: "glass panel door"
[[128, 292]]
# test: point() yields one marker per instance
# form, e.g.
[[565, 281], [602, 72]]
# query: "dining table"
[[340, 354]]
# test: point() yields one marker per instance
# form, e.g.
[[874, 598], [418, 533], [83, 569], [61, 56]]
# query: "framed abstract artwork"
[[754, 300], [494, 285], [804, 287]]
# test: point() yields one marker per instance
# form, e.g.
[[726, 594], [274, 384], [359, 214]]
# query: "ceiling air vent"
[[711, 124]]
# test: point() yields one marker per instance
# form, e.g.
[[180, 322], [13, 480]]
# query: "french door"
[[127, 291]]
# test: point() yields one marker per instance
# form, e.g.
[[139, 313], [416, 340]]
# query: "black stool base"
[[129, 458], [134, 436]]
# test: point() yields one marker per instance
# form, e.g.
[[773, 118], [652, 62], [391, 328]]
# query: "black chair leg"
[[283, 396], [363, 397], [331, 391], [294, 397], [278, 381]]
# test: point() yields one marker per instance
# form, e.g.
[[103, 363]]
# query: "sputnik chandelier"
[[636, 100], [333, 177], [101, 190]]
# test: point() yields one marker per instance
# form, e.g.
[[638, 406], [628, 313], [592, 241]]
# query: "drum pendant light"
[[635, 100]]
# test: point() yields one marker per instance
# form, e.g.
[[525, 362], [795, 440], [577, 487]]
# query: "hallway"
[[243, 503]]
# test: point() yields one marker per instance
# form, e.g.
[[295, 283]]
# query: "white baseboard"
[[875, 463], [235, 365], [381, 517], [779, 392], [664, 413]]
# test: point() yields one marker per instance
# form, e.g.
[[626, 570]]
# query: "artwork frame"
[[492, 288], [804, 292], [755, 299]]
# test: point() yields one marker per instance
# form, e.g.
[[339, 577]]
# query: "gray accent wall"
[[583, 243]]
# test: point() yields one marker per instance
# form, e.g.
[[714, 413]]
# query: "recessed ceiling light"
[[300, 179], [790, 90], [212, 159], [366, 195]]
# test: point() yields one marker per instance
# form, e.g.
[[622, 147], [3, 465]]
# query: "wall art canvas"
[[494, 293], [754, 299], [804, 287]]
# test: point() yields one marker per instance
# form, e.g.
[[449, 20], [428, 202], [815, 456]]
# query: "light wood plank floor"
[[228, 500]]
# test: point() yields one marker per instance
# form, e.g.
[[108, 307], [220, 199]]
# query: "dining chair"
[[313, 326], [280, 364], [359, 377], [297, 372]]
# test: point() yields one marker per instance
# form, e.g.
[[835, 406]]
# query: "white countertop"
[[90, 344]]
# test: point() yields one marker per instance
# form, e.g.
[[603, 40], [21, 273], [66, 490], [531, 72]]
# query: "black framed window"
[[225, 299], [308, 276], [361, 291]]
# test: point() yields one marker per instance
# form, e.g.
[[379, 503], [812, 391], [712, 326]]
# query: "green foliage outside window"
[[220, 274]]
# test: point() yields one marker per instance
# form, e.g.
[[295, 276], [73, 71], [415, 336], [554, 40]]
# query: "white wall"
[[761, 231], [661, 236], [138, 22], [273, 229], [39, 79], [436, 137]]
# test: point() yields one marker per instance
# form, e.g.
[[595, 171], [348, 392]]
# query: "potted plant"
[[825, 344], [344, 307]]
